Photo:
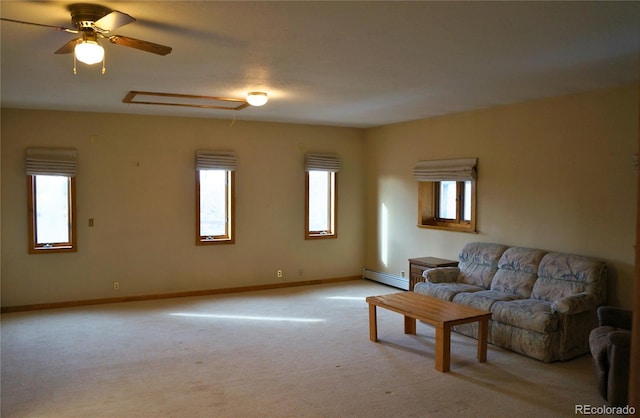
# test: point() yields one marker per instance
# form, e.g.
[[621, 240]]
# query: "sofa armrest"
[[441, 275], [619, 359], [615, 317], [620, 338], [580, 302]]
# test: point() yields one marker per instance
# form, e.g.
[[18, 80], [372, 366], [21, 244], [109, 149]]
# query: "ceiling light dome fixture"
[[257, 98], [89, 50]]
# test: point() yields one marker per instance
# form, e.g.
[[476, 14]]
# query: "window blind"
[[461, 169], [51, 161], [216, 160], [322, 162]]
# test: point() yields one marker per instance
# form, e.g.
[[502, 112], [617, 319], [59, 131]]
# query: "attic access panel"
[[184, 100]]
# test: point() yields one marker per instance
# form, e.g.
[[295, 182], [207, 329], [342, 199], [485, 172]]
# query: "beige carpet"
[[299, 352]]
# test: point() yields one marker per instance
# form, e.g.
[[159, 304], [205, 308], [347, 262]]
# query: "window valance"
[[51, 161], [216, 160], [461, 169], [322, 162]]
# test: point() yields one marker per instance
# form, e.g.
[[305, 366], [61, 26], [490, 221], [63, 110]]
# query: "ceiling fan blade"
[[68, 47], [40, 24], [138, 44], [113, 20]]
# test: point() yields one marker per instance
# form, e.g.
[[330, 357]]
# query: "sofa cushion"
[[479, 262], [530, 314], [561, 275], [483, 299], [444, 291], [517, 271]]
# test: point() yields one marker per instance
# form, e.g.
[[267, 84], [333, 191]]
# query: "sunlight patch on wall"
[[384, 235]]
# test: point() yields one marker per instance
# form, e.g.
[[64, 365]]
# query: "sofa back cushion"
[[561, 275], [517, 271], [479, 263]]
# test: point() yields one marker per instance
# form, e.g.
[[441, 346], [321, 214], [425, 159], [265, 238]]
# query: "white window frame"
[[36, 247], [330, 211], [229, 236]]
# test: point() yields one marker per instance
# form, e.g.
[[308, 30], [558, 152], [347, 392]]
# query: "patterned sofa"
[[543, 303]]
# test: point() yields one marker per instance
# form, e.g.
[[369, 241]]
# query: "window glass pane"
[[319, 189], [447, 200], [213, 202], [52, 209], [467, 200]]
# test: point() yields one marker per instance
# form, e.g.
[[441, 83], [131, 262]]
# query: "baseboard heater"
[[385, 278]]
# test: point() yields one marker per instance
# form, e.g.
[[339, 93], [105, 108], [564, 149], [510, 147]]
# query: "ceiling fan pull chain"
[[104, 69], [75, 71]]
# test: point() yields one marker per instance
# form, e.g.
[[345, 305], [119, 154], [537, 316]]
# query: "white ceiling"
[[357, 64]]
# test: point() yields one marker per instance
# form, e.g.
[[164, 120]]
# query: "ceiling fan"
[[94, 22]]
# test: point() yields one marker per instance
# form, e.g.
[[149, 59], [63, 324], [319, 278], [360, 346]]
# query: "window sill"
[[466, 229], [320, 236], [52, 250], [215, 242]]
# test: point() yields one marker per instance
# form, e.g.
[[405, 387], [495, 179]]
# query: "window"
[[215, 198], [51, 193], [321, 196], [447, 205], [443, 203], [454, 201], [215, 207]]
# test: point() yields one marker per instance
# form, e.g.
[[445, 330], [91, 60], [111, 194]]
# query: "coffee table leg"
[[483, 336], [373, 323], [409, 325], [443, 348]]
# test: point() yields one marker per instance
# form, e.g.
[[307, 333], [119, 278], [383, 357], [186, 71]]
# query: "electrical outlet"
[[116, 286], [402, 273], [279, 273]]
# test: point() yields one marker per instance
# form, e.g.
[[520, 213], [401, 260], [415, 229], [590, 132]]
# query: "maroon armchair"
[[610, 345]]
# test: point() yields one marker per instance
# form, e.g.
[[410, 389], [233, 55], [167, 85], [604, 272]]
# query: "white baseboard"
[[385, 278]]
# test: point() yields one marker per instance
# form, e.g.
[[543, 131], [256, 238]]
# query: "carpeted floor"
[[297, 352]]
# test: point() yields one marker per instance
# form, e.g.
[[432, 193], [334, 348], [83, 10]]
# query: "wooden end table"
[[419, 265], [439, 313]]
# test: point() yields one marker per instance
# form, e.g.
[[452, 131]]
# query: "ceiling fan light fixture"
[[257, 98], [89, 51]]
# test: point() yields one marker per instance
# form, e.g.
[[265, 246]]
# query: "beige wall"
[[554, 174], [136, 179]]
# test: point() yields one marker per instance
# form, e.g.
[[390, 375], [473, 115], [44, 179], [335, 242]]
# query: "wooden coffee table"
[[439, 313]]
